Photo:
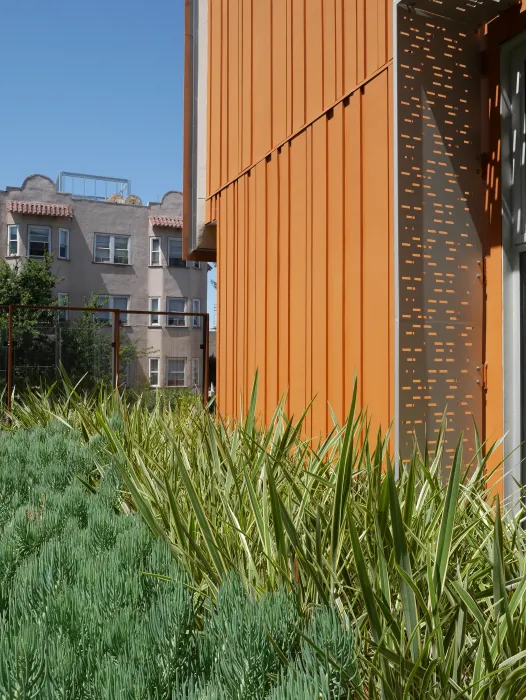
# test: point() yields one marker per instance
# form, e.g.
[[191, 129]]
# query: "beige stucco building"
[[128, 254]]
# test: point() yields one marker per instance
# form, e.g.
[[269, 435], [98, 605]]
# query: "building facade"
[[130, 257], [357, 168]]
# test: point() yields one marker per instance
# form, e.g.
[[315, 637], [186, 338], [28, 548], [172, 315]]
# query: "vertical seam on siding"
[[271, 74], [247, 289], [240, 84], [335, 14], [304, 118], [327, 298], [265, 295], [288, 277], [291, 66], [322, 55], [390, 365], [344, 252], [251, 79], [209, 116], [362, 348], [312, 265], [278, 239]]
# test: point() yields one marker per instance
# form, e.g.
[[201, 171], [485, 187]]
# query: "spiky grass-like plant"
[[429, 574]]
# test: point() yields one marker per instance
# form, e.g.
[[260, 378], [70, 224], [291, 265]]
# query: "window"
[[197, 265], [155, 251], [196, 308], [175, 252], [104, 316], [120, 303], [112, 249], [63, 244], [12, 240], [154, 371], [63, 300], [38, 241], [196, 384], [175, 371], [174, 305], [155, 304]]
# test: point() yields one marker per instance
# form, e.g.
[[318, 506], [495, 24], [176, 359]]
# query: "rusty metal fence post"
[[206, 359], [116, 345], [10, 358]]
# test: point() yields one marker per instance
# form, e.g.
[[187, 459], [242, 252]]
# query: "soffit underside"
[[472, 13]]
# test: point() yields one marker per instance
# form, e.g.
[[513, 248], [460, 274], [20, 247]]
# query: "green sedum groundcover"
[[81, 618]]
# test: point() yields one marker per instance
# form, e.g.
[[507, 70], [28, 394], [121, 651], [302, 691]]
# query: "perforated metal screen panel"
[[469, 12], [441, 215]]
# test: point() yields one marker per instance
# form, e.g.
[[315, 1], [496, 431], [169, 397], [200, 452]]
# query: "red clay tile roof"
[[39, 208], [167, 221]]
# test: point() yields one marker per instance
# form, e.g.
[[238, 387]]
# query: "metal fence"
[[144, 350]]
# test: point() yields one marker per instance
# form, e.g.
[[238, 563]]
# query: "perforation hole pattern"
[[441, 217]]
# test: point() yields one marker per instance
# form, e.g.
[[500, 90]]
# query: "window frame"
[[196, 320], [181, 262], [176, 359], [152, 239], [156, 324], [124, 321], [38, 229], [59, 256], [157, 371], [112, 237], [513, 179], [110, 304], [63, 316], [176, 313], [9, 253]]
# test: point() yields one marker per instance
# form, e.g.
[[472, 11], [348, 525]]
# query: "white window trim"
[[63, 296], [150, 360], [185, 384], [151, 299], [196, 308], [184, 324], [9, 253], [152, 239], [59, 256], [39, 229], [112, 237]]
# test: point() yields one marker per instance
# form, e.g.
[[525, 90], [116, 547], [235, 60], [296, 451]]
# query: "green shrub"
[[237, 644], [79, 620]]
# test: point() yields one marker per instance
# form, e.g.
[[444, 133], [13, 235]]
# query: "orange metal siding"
[[275, 65], [305, 290]]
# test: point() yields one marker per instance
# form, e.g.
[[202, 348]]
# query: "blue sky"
[[94, 87]]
